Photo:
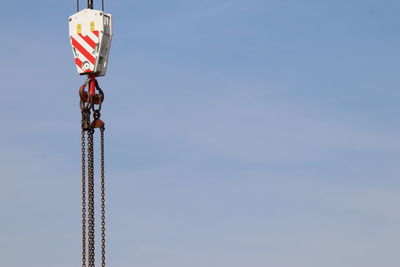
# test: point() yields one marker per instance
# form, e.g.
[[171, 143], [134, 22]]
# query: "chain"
[[83, 139], [91, 242], [103, 203], [87, 105]]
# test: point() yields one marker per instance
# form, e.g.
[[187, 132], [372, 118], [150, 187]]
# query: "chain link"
[[83, 150], [103, 202], [91, 243]]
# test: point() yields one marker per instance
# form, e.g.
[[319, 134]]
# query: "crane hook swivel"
[[91, 101]]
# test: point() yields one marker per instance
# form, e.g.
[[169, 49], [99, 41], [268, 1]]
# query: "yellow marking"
[[79, 28], [92, 26]]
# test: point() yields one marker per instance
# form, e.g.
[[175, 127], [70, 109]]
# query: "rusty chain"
[[103, 201], [91, 244], [83, 149], [87, 105]]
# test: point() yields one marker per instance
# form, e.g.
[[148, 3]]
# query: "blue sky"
[[239, 133]]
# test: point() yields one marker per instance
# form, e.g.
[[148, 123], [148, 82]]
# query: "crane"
[[90, 34]]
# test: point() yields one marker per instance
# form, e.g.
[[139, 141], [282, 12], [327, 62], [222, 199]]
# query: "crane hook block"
[[90, 33]]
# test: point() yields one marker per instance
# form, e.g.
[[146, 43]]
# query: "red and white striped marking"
[[84, 48]]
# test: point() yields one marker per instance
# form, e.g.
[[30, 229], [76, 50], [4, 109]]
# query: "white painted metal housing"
[[90, 33]]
